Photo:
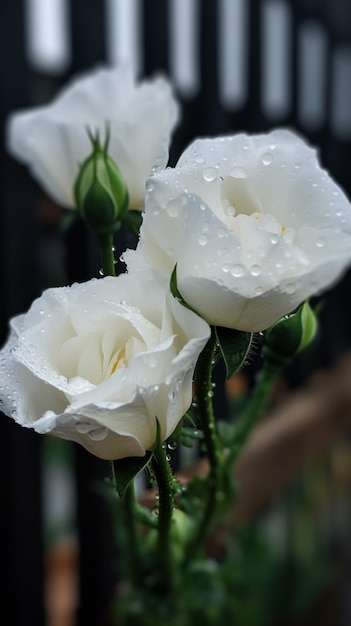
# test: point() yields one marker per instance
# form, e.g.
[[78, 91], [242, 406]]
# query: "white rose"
[[52, 140], [254, 224], [98, 362]]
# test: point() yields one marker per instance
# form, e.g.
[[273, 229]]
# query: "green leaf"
[[234, 346], [125, 470]]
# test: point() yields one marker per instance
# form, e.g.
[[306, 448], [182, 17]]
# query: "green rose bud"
[[290, 335], [100, 192]]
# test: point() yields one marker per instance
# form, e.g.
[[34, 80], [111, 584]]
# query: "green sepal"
[[173, 285], [234, 346], [125, 470]]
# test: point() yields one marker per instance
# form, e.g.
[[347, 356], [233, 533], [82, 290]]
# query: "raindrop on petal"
[[209, 174], [267, 158], [99, 434]]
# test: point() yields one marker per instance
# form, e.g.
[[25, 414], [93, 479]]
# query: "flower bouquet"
[[232, 244]]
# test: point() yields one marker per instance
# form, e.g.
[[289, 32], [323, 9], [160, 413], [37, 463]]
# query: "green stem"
[[258, 403], [106, 254], [204, 393], [129, 507], [165, 480]]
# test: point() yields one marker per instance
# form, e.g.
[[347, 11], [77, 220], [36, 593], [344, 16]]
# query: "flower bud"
[[100, 192], [290, 335]]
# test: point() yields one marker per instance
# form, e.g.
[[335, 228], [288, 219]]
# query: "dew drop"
[[237, 270], [199, 159], [209, 174], [226, 268], [202, 240], [172, 208], [230, 210], [238, 172], [274, 239], [290, 288], [101, 271], [152, 361], [99, 434], [267, 158], [320, 242], [221, 233], [83, 427], [256, 270], [172, 445]]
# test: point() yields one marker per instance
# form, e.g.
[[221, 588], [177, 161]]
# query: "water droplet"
[[238, 172], [172, 445], [256, 270], [199, 159], [83, 427], [168, 457], [290, 288], [267, 158], [99, 434], [297, 166], [230, 210], [171, 395], [237, 270], [172, 208], [221, 233], [152, 360], [202, 240], [274, 239], [259, 291], [209, 174], [41, 311], [101, 271], [320, 242], [226, 268]]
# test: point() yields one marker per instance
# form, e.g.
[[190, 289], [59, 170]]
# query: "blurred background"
[[235, 65]]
